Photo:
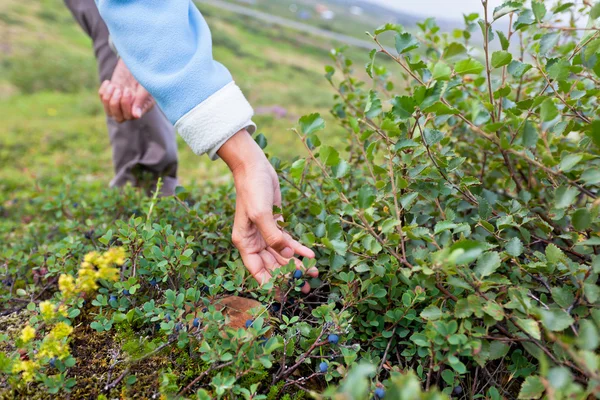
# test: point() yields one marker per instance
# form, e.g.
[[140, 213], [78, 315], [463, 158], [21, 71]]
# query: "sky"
[[449, 9]]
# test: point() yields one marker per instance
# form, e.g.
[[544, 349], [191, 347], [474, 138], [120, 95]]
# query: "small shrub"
[[456, 235]]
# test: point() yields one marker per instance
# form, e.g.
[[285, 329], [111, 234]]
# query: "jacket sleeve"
[[167, 46]]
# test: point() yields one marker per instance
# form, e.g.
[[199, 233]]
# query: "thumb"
[[142, 102], [272, 235]]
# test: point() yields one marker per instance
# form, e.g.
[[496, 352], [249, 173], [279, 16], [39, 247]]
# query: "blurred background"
[[53, 130]]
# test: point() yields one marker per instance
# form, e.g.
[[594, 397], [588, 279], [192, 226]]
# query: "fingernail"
[[287, 252], [137, 112]]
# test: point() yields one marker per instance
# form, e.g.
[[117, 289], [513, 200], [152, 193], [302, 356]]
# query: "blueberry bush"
[[457, 235]]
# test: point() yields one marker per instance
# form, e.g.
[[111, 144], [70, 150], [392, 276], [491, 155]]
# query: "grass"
[[53, 127]]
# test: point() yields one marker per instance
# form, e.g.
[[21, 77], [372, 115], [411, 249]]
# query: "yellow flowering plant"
[[34, 357]]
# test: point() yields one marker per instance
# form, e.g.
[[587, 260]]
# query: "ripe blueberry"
[[196, 323], [112, 298], [152, 282], [297, 274], [458, 390], [249, 323], [276, 307], [333, 338], [53, 362], [126, 292], [168, 317], [178, 326], [379, 393], [323, 367], [204, 309]]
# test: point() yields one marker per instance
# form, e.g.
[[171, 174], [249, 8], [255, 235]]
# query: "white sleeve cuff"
[[214, 121]]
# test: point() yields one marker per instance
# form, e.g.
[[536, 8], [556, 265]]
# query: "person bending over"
[[167, 46]]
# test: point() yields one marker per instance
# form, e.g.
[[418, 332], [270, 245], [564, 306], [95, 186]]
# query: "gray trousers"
[[143, 149]]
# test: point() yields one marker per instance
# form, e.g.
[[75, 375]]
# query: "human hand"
[[262, 244], [123, 97]]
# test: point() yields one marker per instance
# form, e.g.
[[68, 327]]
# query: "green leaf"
[[504, 43], [581, 219], [501, 58], [556, 320], [468, 66], [441, 71], [588, 338], [403, 106], [506, 8], [548, 42], [373, 107], [368, 67], [548, 110], [559, 70], [388, 27], [563, 296], [494, 310], [462, 309], [514, 247], [329, 156], [453, 49], [517, 69], [311, 123], [487, 264], [539, 10], [341, 169], [526, 18], [338, 246], [532, 388], [591, 176], [261, 140], [465, 251], [498, 349], [554, 254], [530, 134], [569, 161], [591, 291], [405, 42], [440, 108], [431, 313], [594, 133], [530, 326], [366, 197], [432, 136], [565, 196], [297, 169]]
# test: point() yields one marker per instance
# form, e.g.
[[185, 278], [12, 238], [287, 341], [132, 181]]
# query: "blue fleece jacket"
[[167, 46]]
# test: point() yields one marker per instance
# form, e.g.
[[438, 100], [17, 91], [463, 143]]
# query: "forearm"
[[241, 152]]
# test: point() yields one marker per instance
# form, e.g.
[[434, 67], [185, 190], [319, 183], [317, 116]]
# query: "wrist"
[[241, 152]]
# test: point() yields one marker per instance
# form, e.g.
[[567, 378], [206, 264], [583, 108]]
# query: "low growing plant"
[[457, 235]]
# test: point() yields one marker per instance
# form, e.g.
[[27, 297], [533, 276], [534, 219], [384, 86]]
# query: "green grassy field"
[[53, 126]]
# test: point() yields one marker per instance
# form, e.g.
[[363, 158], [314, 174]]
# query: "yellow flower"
[[28, 369], [86, 281], [108, 273], [66, 284], [27, 334], [116, 255], [61, 330], [62, 310], [47, 310], [90, 257], [52, 347]]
